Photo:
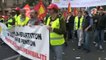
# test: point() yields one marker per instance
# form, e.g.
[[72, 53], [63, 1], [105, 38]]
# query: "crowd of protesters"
[[63, 28], [86, 25]]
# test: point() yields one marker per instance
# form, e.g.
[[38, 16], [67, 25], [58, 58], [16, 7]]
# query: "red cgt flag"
[[27, 8], [41, 10], [69, 7]]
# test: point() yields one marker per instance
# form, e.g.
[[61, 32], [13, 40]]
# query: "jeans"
[[56, 51], [87, 40], [99, 36], [80, 37], [95, 36]]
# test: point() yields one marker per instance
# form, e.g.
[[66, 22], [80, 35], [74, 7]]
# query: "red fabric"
[[5, 17], [41, 10], [53, 6], [27, 8], [69, 7], [17, 8]]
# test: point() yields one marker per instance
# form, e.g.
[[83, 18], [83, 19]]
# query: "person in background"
[[87, 28], [11, 20], [78, 25], [70, 25], [17, 11], [56, 26], [22, 19], [95, 18], [100, 28], [34, 18]]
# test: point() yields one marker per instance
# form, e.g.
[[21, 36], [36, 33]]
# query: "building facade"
[[10, 3]]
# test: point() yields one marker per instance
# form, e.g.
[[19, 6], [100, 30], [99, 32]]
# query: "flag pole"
[[69, 6]]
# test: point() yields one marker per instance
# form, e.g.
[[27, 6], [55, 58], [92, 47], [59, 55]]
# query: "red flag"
[[27, 8], [69, 7], [41, 10]]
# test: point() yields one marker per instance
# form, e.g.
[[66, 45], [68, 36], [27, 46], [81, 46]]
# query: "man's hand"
[[86, 29], [49, 28]]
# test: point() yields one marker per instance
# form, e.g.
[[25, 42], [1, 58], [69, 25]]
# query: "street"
[[71, 52], [37, 29]]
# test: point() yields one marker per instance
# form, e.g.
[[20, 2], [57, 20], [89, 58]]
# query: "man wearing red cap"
[[17, 12], [56, 26], [17, 9]]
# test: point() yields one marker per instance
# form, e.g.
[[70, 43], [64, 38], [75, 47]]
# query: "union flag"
[[40, 8], [27, 8], [69, 7]]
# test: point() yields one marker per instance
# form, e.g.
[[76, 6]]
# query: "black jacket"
[[86, 23], [95, 21], [101, 22], [70, 24]]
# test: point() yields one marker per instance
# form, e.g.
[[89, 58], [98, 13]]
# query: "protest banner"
[[31, 42], [79, 3]]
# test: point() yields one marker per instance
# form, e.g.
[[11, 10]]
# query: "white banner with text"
[[79, 3], [31, 42]]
